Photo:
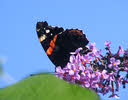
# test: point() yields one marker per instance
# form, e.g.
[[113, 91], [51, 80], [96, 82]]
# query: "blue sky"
[[100, 20]]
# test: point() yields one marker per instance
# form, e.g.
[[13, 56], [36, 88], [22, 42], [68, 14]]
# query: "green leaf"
[[46, 87]]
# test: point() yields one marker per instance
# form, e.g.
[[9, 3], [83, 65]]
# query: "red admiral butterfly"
[[58, 43]]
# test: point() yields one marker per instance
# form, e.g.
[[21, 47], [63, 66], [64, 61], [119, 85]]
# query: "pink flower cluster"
[[95, 71]]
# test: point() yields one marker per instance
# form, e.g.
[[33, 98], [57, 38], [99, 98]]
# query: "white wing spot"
[[42, 38], [51, 34], [47, 31]]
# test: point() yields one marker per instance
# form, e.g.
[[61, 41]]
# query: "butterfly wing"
[[58, 43]]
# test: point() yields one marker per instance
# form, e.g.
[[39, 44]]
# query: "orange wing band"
[[49, 51], [52, 45]]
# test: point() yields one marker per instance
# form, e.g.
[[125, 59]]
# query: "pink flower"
[[59, 72], [114, 63], [107, 43], [95, 71], [104, 75]]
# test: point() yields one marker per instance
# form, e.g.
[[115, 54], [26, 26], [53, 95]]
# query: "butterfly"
[[59, 42]]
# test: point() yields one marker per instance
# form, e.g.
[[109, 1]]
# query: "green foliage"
[[46, 87]]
